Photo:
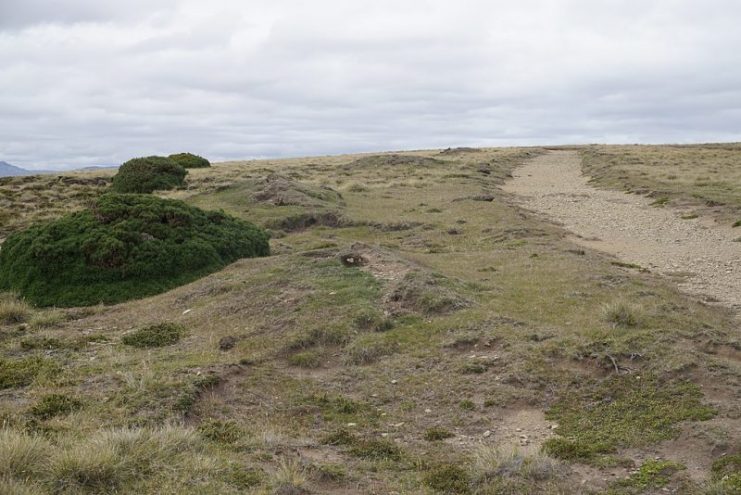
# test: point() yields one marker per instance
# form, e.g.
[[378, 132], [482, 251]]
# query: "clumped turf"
[[726, 474], [222, 431], [159, 335], [125, 247], [448, 478], [53, 405], [20, 372], [437, 433], [148, 174], [189, 160], [652, 474], [626, 411]]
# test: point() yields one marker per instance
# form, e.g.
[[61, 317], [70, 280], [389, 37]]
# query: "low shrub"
[[621, 314], [21, 372], [148, 174], [306, 359], [437, 433], [222, 431], [189, 160], [448, 478], [155, 335], [126, 246], [377, 449], [53, 405]]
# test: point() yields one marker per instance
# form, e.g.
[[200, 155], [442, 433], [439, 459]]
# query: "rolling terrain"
[[415, 330]]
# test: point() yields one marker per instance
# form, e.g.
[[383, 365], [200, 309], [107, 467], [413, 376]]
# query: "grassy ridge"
[[417, 367]]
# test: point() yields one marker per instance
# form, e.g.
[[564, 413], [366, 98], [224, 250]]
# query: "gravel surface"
[[701, 256]]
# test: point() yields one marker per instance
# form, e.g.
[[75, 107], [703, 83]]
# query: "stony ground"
[[703, 256]]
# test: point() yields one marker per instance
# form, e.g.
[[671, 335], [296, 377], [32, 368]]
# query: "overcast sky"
[[90, 82]]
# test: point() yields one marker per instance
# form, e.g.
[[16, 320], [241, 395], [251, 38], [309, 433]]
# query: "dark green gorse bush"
[[126, 246], [189, 160], [148, 174]]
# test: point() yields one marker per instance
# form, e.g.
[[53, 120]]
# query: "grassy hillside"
[[413, 332]]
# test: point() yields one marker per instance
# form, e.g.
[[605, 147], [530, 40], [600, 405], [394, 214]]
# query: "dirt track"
[[702, 257]]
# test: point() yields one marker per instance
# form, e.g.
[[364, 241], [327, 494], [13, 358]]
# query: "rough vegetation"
[[467, 347], [148, 174], [125, 246], [189, 160]]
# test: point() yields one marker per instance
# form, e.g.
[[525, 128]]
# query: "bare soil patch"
[[630, 227]]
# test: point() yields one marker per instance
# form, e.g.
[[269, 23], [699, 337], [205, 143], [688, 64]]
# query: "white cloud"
[[96, 82]]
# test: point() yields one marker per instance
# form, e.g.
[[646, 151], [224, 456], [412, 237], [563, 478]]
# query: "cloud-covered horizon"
[[88, 82]]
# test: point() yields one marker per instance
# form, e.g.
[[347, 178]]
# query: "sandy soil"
[[703, 257]]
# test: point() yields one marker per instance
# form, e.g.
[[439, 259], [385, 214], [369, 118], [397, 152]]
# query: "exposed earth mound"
[[126, 246], [279, 190], [145, 175]]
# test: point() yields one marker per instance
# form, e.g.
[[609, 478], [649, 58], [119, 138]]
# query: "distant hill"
[[8, 170]]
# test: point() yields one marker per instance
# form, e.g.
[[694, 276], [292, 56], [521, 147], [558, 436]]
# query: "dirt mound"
[[393, 160], [380, 263], [410, 288], [279, 190]]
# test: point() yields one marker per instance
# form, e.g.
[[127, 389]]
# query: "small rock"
[[352, 424], [394, 382], [428, 411], [487, 434]]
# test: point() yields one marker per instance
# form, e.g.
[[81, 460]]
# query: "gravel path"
[[701, 256]]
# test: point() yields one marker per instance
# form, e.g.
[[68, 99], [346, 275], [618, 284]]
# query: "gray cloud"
[[96, 82]]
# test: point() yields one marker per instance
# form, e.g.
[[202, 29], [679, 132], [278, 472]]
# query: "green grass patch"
[[53, 405], [307, 359], [448, 478], [651, 474], [622, 412], [155, 335], [221, 431]]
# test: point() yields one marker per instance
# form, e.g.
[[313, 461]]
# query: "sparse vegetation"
[[621, 314], [623, 412], [651, 474]]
